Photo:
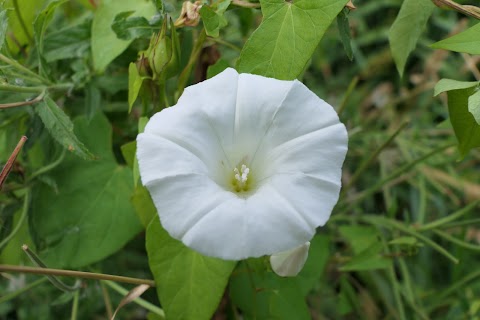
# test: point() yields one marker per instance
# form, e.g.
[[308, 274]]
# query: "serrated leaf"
[[467, 41], [91, 216], [344, 30], [407, 28], [466, 129], [189, 285], [105, 44], [474, 106], [40, 25], [61, 127], [287, 37]]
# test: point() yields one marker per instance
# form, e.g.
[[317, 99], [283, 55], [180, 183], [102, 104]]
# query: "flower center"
[[240, 179]]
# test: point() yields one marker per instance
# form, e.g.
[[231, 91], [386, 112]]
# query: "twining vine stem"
[[76, 274]]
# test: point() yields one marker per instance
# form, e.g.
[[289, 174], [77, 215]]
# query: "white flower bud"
[[290, 263]]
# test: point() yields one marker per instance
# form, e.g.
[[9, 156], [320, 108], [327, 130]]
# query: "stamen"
[[241, 177]]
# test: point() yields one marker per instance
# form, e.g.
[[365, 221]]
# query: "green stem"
[[18, 12], [75, 305], [53, 279], [23, 215], [106, 300], [372, 158], [75, 274], [12, 88], [21, 68], [450, 218], [393, 224], [456, 241], [225, 43], [351, 87], [183, 78], [12, 295], [141, 302], [392, 176], [49, 167], [396, 288]]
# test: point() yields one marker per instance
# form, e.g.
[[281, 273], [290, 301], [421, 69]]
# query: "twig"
[[75, 274], [471, 11], [245, 4], [8, 166], [23, 103], [471, 66]]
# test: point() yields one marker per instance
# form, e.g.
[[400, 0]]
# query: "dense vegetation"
[[81, 78]]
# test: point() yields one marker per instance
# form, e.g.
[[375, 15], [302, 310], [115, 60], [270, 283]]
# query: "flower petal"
[[290, 263], [312, 141], [184, 200], [261, 224], [258, 99]]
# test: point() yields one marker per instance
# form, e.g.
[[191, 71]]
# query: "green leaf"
[[466, 128], [105, 44], [287, 37], [128, 152], [130, 28], [216, 68], [448, 84], [40, 25], [367, 248], [264, 295], [134, 85], [61, 127], [28, 10], [474, 106], [467, 41], [91, 216], [143, 204], [369, 259], [70, 42], [93, 99], [359, 237], [407, 28], [344, 30], [189, 285], [211, 21], [3, 27], [314, 268]]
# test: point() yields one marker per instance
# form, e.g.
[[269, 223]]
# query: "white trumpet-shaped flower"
[[243, 165]]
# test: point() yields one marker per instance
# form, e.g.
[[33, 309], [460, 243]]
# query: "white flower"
[[290, 263], [243, 165]]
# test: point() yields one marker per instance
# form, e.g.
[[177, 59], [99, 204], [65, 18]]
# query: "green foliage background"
[[80, 79]]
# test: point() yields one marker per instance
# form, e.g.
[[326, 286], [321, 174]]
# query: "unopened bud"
[[143, 66], [290, 263], [160, 52], [190, 15]]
